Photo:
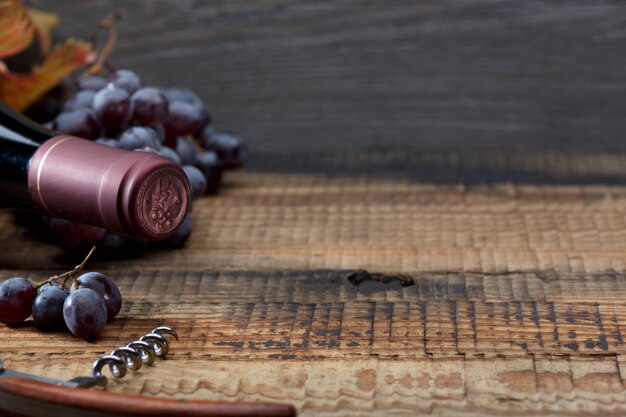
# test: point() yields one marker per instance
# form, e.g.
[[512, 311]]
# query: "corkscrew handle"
[[29, 398]]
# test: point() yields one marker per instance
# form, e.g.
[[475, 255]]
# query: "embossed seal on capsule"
[[162, 201]]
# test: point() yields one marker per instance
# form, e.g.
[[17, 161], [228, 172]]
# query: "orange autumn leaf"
[[16, 28], [21, 90], [44, 22]]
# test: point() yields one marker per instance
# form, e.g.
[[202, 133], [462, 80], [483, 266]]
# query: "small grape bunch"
[[91, 300]]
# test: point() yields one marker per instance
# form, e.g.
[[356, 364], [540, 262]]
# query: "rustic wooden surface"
[[467, 155]]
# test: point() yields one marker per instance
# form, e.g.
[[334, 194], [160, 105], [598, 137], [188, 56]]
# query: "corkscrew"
[[36, 396], [134, 355]]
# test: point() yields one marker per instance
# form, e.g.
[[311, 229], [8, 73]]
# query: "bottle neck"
[[20, 137]]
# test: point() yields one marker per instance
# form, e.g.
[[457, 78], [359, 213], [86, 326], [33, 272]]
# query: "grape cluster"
[[92, 300], [175, 123]]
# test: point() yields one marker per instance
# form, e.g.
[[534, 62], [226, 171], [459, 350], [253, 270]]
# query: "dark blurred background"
[[325, 77]]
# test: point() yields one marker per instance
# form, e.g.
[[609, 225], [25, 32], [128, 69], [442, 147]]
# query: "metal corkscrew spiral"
[[134, 355]]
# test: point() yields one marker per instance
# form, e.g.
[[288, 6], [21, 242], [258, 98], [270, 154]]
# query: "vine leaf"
[[44, 22], [21, 90], [16, 28]]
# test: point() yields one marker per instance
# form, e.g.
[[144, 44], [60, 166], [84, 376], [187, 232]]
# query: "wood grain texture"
[[313, 76], [263, 221], [469, 155], [448, 344]]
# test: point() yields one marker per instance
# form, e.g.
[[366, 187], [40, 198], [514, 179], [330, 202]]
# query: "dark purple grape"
[[114, 143], [149, 106], [169, 153], [60, 229], [111, 242], [92, 82], [48, 308], [186, 151], [104, 286], [160, 132], [196, 179], [182, 119], [125, 79], [147, 149], [139, 137], [230, 148], [212, 168], [112, 107], [54, 283], [181, 235], [86, 232], [73, 234], [81, 100], [114, 246], [85, 313], [81, 123], [183, 94], [16, 300]]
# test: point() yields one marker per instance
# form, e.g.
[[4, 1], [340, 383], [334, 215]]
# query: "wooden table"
[[420, 273]]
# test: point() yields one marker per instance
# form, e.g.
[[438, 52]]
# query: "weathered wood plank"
[[265, 221], [449, 343], [320, 314]]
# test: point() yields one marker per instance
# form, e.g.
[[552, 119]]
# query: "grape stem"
[[107, 23], [71, 274]]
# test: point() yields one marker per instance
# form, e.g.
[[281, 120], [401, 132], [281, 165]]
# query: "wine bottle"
[[137, 194]]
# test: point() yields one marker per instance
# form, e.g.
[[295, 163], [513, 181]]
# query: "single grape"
[[85, 313], [86, 232], [60, 229], [81, 123], [139, 137], [104, 286], [111, 242], [186, 151], [183, 94], [81, 100], [181, 235], [230, 148], [169, 153], [160, 130], [92, 82], [196, 179], [114, 143], [16, 300], [48, 308], [147, 149], [182, 119], [112, 107], [73, 234], [54, 283], [209, 163], [125, 79], [114, 246], [149, 106]]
